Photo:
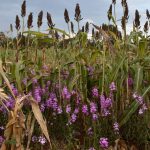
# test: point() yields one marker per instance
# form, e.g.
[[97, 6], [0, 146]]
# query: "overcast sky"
[[91, 10]]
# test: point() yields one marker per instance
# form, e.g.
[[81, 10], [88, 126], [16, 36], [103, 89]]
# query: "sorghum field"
[[60, 90]]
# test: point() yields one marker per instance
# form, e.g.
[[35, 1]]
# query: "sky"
[[91, 10]]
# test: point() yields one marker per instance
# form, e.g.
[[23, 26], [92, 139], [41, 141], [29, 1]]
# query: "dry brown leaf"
[[120, 145], [30, 133], [133, 147], [39, 117], [3, 147], [6, 80]]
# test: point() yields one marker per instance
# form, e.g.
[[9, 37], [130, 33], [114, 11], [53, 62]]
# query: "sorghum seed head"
[[147, 14], [123, 23], [114, 2], [40, 17], [49, 20], [83, 29], [11, 27], [17, 22], [123, 2], [126, 11], [146, 27], [72, 27], [93, 32], [30, 21], [66, 16], [23, 9], [109, 13], [77, 13], [87, 27], [137, 19]]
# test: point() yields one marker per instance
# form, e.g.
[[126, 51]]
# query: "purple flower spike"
[[94, 117], [104, 142], [73, 118], [68, 109], [85, 109], [42, 140], [1, 140], [59, 110], [93, 107], [34, 139], [112, 86], [90, 131], [130, 81], [106, 104], [95, 92], [37, 94], [66, 94], [116, 127]]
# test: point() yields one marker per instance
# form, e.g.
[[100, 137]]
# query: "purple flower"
[[68, 109], [142, 109], [112, 86], [42, 107], [49, 102], [76, 111], [55, 104], [135, 95], [1, 140], [66, 94], [103, 142], [59, 110], [73, 117], [90, 131], [24, 81], [93, 107], [94, 117], [43, 91], [2, 128], [42, 140], [14, 89], [34, 81], [10, 103], [48, 83], [116, 127], [140, 101], [95, 92], [34, 139], [130, 81], [106, 104], [37, 94], [90, 70], [85, 109]]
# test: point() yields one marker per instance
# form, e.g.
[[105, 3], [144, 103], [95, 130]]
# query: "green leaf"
[[59, 30]]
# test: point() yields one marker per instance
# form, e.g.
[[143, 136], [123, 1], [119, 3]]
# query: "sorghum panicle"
[[30, 21], [87, 27], [17, 23], [40, 17], [23, 9], [146, 27], [109, 13], [137, 19], [49, 21], [66, 16], [147, 14], [77, 13]]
